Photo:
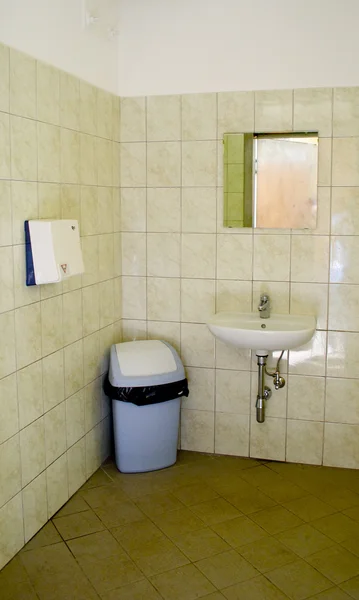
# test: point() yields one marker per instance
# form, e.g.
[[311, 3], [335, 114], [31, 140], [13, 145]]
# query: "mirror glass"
[[270, 180]]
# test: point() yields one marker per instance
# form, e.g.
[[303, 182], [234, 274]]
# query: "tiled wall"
[[59, 157], [180, 266]]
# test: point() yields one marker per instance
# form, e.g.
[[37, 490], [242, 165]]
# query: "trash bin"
[[146, 381]]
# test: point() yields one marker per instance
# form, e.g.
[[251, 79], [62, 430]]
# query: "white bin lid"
[[146, 358]]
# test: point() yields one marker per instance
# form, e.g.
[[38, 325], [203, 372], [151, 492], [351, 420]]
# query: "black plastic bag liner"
[[152, 394]]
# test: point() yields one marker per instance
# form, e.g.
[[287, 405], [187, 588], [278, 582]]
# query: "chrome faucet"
[[264, 306]]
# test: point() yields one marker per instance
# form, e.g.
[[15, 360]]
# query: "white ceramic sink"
[[248, 330]]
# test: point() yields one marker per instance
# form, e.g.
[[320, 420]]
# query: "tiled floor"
[[210, 527]]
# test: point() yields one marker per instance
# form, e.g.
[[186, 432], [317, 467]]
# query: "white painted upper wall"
[[184, 46], [52, 31]]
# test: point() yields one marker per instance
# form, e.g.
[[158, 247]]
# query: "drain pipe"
[[264, 392]]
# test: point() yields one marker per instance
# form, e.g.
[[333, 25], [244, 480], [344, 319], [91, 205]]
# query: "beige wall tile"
[[103, 152], [90, 309], [69, 101], [89, 210], [28, 334], [231, 434], [30, 394], [88, 108], [345, 113], [163, 255], [104, 114], [72, 316], [73, 363], [163, 118], [90, 256], [199, 164], [342, 357], [5, 146], [271, 259], [57, 485], [233, 391], [105, 210], [197, 345], [133, 119], [22, 294], [88, 160], [107, 306], [32, 448], [310, 259], [48, 94], [310, 299], [305, 442], [198, 255], [34, 498], [76, 466], [5, 79], [10, 469], [274, 110], [70, 156], [9, 424], [93, 409], [163, 299], [343, 259], [343, 305], [91, 346], [234, 256], [197, 430], [106, 256], [11, 529], [341, 445], [313, 110], [49, 205], [306, 398], [6, 279], [233, 295], [23, 149], [199, 117], [7, 344], [199, 210], [134, 297], [163, 209], [133, 165], [169, 331], [310, 358], [133, 209], [22, 84], [235, 112], [53, 379], [133, 254], [325, 161], [345, 161], [345, 211], [197, 300], [163, 164], [5, 212], [49, 151], [201, 383], [55, 433], [342, 401], [268, 439], [75, 418]]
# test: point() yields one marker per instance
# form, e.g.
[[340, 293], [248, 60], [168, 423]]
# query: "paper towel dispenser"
[[53, 251]]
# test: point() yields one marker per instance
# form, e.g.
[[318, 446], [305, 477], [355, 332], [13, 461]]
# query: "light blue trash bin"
[[146, 381]]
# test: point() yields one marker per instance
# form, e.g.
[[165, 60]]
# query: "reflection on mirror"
[[270, 180]]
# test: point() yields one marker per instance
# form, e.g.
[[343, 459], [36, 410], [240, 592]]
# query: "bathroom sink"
[[248, 330]]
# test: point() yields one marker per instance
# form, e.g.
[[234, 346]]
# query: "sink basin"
[[248, 330]]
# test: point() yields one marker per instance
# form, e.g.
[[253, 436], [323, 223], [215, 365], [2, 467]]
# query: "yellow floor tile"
[[103, 496], [338, 527], [250, 500], [309, 508], [240, 531], [74, 526], [194, 494], [304, 540], [258, 588], [96, 545], [185, 583], [109, 573], [226, 569], [119, 514], [336, 563], [214, 596], [201, 544], [267, 554], [332, 594], [178, 522], [74, 505], [282, 490], [19, 591], [351, 587], [215, 511], [141, 590], [158, 557], [97, 479], [352, 544], [340, 498], [298, 580], [137, 535], [157, 504], [261, 476], [276, 519], [47, 536]]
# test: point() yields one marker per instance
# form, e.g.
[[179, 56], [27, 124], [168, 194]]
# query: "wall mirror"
[[270, 180]]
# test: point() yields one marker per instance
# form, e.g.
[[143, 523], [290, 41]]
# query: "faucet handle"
[[264, 298]]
